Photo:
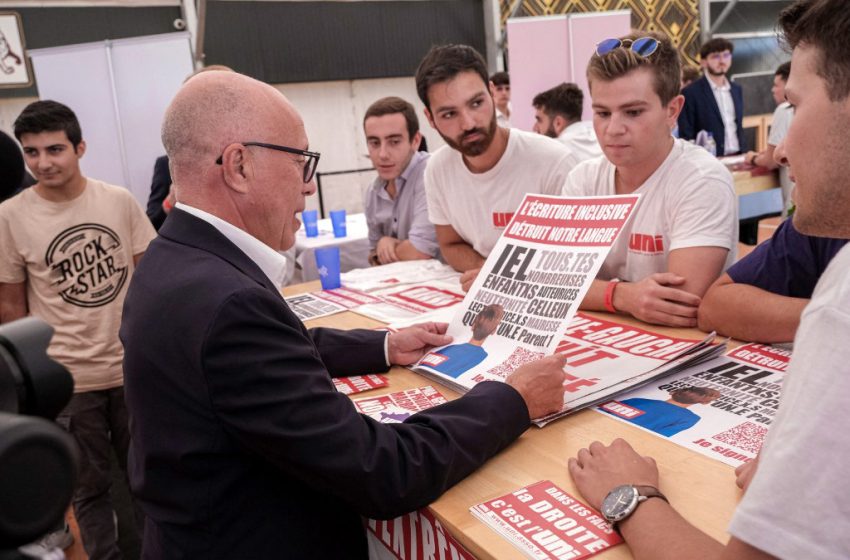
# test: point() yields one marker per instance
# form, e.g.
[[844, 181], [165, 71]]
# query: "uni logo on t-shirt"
[[646, 243], [501, 219]]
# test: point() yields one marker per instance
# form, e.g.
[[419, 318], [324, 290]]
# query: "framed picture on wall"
[[14, 68]]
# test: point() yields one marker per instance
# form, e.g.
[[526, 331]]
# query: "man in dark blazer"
[[702, 110], [160, 187], [241, 447]]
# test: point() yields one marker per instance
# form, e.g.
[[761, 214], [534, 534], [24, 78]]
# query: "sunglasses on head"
[[644, 46]]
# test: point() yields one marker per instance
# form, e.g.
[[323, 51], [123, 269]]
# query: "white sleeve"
[[433, 194], [560, 171], [576, 182], [704, 212], [796, 505], [781, 121]]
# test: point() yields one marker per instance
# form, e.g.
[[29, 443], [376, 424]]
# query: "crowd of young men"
[[235, 416]]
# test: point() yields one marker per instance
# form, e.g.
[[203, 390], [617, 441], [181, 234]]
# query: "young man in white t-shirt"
[[778, 129], [684, 233], [474, 185], [557, 114], [68, 247], [795, 500]]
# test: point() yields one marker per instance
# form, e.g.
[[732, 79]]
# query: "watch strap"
[[650, 492], [644, 493]]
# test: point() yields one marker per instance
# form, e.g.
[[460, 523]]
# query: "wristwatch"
[[623, 500]]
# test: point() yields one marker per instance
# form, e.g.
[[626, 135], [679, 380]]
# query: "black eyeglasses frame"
[[309, 166]]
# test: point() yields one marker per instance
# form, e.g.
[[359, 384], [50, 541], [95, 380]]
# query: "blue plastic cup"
[[311, 222], [327, 262], [338, 222]]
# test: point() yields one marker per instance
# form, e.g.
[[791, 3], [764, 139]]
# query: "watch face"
[[619, 503]]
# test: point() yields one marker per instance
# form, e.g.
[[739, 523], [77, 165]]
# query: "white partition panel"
[[148, 72], [119, 91], [79, 76], [547, 50]]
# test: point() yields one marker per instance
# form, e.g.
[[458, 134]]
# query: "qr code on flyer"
[[747, 436], [520, 356]]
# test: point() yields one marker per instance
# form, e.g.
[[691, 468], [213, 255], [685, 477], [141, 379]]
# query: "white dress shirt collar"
[[272, 263]]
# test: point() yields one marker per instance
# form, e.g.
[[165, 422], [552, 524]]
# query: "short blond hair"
[[664, 63]]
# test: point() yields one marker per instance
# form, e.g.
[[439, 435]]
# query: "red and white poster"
[[721, 408], [398, 407], [415, 536], [605, 358], [401, 273], [529, 288], [346, 297], [411, 301], [308, 306], [359, 383], [546, 523]]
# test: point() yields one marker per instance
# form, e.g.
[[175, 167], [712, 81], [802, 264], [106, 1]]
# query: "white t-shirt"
[[778, 130], [797, 504], [479, 205], [580, 138], [689, 201], [76, 258]]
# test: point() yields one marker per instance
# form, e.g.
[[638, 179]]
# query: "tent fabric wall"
[[119, 91]]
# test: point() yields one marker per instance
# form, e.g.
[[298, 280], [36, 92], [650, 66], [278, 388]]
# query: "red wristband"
[[609, 295]]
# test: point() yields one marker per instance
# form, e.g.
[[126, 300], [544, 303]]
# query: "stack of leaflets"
[[398, 407], [327, 302], [359, 383], [412, 301], [721, 408], [398, 274], [544, 522], [604, 359]]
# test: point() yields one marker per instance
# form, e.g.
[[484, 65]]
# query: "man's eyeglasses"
[[309, 165], [725, 55], [644, 46]]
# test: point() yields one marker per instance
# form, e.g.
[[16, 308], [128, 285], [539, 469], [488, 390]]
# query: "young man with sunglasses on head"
[[475, 184], [685, 230], [713, 103], [795, 500]]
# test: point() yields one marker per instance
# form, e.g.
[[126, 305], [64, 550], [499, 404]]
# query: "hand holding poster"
[[529, 288]]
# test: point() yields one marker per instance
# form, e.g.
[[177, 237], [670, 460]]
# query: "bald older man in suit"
[[241, 447]]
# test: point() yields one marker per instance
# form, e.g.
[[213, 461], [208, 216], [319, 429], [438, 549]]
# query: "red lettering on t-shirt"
[[501, 219], [646, 243]]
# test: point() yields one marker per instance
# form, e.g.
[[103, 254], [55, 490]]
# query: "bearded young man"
[[475, 184], [713, 103]]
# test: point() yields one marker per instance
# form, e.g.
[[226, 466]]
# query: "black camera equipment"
[[38, 460]]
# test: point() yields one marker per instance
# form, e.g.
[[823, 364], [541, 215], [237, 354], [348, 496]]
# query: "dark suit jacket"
[[241, 448], [702, 113], [160, 185]]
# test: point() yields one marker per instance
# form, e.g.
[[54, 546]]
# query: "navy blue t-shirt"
[[789, 263]]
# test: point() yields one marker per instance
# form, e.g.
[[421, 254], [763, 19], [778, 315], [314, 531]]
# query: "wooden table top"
[[701, 489]]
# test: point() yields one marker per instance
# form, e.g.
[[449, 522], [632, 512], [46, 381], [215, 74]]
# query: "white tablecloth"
[[353, 248]]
